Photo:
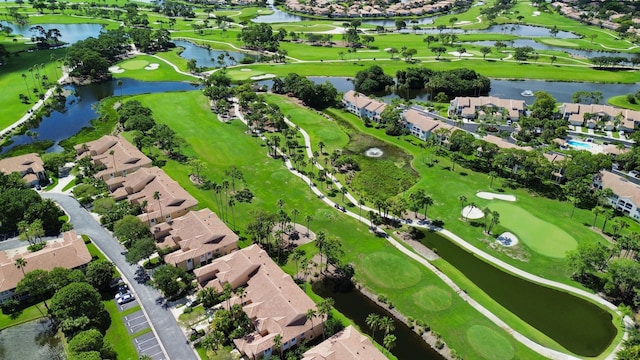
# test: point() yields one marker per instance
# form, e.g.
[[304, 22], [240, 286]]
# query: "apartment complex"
[[29, 166], [347, 344], [113, 156], [363, 106], [626, 194], [68, 252], [272, 300]]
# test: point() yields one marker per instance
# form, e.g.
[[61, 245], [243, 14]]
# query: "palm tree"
[[308, 219], [231, 204], [321, 242], [427, 201], [113, 158], [310, 315], [295, 213], [389, 342], [492, 175], [487, 214], [495, 220], [463, 201], [21, 263], [24, 76], [386, 324], [119, 84], [373, 322], [277, 343], [156, 196], [324, 309]]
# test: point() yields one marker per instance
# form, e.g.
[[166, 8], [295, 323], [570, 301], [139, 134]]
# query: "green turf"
[[25, 315], [117, 333], [432, 298], [539, 235], [489, 344], [135, 64], [391, 271]]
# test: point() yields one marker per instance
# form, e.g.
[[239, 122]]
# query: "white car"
[[124, 298]]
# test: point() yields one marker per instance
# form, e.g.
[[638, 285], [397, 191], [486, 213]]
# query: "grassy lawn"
[[191, 119], [138, 68], [28, 314], [539, 235], [621, 101], [117, 333]]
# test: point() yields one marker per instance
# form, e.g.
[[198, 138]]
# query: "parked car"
[[125, 298]]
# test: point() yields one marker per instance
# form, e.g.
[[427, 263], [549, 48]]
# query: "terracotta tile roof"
[[25, 165], [143, 184], [359, 100], [200, 233], [69, 253], [348, 344], [272, 299], [126, 157], [620, 186], [503, 143], [424, 122]]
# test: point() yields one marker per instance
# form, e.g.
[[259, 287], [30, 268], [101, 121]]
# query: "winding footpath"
[[542, 350]]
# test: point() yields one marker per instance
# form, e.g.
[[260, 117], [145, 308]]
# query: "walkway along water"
[[547, 352]]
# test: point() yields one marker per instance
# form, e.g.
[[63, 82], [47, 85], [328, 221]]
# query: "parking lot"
[[135, 322], [147, 344]]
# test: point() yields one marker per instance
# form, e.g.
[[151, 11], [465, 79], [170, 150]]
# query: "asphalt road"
[[169, 333]]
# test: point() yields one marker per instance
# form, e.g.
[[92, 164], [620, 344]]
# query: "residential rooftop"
[[347, 344]]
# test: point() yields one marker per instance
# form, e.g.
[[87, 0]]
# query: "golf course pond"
[[33, 340], [577, 324]]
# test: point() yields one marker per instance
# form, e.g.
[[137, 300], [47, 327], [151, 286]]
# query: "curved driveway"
[[172, 339]]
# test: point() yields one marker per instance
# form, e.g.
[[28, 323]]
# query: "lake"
[[208, 57], [32, 340], [71, 33], [579, 325], [80, 108]]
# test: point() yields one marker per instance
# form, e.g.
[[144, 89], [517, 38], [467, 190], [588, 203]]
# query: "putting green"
[[432, 298], [558, 42], [238, 74], [390, 271], [135, 64], [541, 236], [489, 344]]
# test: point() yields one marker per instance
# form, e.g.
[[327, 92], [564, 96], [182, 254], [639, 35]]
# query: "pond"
[[32, 340], [540, 46], [208, 57], [80, 108], [71, 33], [508, 89], [579, 325], [357, 307]]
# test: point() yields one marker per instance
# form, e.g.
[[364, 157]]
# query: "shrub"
[[382, 298]]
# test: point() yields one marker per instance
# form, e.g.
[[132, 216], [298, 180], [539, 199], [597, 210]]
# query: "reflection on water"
[[30, 341], [80, 108], [540, 46], [210, 58], [70, 32]]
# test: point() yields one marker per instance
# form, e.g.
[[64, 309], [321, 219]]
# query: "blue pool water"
[[579, 144]]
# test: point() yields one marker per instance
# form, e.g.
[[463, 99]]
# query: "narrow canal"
[[357, 307]]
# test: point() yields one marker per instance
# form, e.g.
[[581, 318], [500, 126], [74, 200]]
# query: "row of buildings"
[[204, 244], [422, 125], [483, 108], [567, 9], [366, 9], [29, 166]]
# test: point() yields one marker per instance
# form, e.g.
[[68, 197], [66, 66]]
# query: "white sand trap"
[[472, 212], [535, 13], [465, 22], [492, 196], [245, 69], [262, 77], [152, 66], [116, 70], [507, 239], [455, 53]]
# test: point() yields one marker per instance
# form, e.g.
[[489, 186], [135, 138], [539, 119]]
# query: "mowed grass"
[[489, 343], [542, 237], [135, 69], [223, 144], [117, 333], [243, 74]]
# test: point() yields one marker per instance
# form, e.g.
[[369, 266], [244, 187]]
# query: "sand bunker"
[[463, 22], [152, 66], [246, 69], [472, 212], [116, 70], [492, 196], [262, 77], [535, 13], [507, 239], [455, 53]]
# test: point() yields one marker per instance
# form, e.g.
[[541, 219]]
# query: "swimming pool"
[[579, 144]]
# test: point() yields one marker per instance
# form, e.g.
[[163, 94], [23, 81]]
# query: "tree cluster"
[[259, 37], [136, 237], [456, 82], [19, 204], [317, 96], [372, 80], [92, 57], [172, 281], [147, 133]]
